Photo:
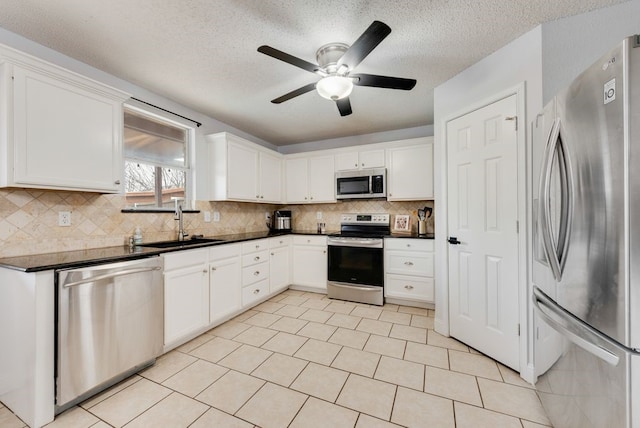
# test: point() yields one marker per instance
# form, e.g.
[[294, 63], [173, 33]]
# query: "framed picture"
[[402, 223]]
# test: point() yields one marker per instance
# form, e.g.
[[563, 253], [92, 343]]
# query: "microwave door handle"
[[370, 183], [543, 197]]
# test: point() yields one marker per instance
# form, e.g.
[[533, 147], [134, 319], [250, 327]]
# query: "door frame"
[[442, 231]]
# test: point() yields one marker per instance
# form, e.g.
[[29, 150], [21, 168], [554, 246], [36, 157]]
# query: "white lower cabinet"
[[409, 269], [255, 271], [279, 263], [310, 261], [225, 288], [186, 294]]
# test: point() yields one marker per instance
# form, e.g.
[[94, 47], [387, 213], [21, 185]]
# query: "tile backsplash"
[[29, 219]]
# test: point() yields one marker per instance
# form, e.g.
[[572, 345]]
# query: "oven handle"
[[359, 287], [354, 242]]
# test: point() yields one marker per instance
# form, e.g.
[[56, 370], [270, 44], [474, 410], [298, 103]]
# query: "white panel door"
[[483, 268]]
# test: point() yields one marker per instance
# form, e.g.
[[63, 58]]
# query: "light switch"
[[319, 215], [216, 216], [207, 216]]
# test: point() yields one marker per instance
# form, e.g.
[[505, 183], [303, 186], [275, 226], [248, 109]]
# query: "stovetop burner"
[[364, 226]]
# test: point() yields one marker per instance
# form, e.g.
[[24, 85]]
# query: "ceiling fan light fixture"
[[334, 87]]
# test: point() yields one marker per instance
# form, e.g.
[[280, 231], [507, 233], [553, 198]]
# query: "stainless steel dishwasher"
[[109, 325]]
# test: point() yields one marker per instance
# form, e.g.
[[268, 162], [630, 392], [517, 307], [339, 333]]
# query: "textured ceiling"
[[202, 53]]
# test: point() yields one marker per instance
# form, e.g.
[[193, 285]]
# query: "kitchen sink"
[[185, 243]]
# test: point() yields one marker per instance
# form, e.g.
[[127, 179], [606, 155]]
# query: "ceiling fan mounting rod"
[[328, 56]]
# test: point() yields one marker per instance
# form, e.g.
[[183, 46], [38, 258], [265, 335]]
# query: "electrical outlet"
[[207, 216], [267, 216], [216, 216], [319, 215], [64, 218]]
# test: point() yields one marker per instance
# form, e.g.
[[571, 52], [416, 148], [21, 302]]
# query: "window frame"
[[189, 187]]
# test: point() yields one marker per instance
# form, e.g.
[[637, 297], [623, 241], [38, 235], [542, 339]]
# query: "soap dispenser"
[[137, 237]]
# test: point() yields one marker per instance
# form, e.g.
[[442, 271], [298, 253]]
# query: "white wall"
[[572, 44], [519, 61], [356, 140]]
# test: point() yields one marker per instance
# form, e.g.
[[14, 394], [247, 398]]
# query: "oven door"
[[355, 270]]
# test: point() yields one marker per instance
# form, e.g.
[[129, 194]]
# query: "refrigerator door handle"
[[574, 329], [555, 251]]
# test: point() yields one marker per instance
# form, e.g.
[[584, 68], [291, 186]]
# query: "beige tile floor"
[[301, 360]]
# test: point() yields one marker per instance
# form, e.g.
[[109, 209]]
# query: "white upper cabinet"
[[359, 160], [410, 172], [310, 180], [243, 171], [58, 130], [270, 177]]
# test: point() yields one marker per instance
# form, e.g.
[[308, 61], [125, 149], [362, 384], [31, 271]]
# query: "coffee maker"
[[280, 220]]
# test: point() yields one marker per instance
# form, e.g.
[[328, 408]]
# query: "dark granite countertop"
[[93, 256], [413, 235]]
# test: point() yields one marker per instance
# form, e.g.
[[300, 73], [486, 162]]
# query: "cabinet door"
[[310, 266], [279, 269], [321, 179], [410, 175], [66, 137], [186, 301], [225, 290], [371, 159], [346, 161], [270, 181], [242, 172], [296, 172]]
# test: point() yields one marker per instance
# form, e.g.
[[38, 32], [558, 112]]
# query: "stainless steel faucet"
[[178, 217]]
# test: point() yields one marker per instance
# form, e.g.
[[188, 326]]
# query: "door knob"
[[453, 240]]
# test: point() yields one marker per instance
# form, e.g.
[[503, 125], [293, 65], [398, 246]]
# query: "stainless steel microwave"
[[364, 183]]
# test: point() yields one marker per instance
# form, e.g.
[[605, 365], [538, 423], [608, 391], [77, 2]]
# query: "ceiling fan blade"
[[290, 59], [307, 88], [383, 81], [371, 38], [344, 106]]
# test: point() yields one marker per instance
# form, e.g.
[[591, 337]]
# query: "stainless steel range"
[[356, 259]]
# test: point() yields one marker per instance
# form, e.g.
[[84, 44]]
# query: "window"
[[156, 169]]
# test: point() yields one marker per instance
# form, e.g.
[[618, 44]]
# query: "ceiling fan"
[[336, 62]]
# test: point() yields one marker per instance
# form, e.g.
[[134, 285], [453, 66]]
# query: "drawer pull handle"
[[257, 246], [408, 245], [408, 263], [273, 254], [256, 291], [256, 258], [204, 271], [256, 273], [213, 268], [409, 287]]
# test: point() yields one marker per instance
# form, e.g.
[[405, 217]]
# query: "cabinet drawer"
[[255, 273], [309, 240], [279, 241], [224, 251], [409, 287], [254, 293], [409, 244], [409, 263], [255, 245], [180, 259], [255, 258]]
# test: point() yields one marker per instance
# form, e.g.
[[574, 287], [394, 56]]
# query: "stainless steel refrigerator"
[[586, 255]]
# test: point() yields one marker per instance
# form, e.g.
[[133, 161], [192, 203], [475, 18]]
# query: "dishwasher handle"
[[110, 275]]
